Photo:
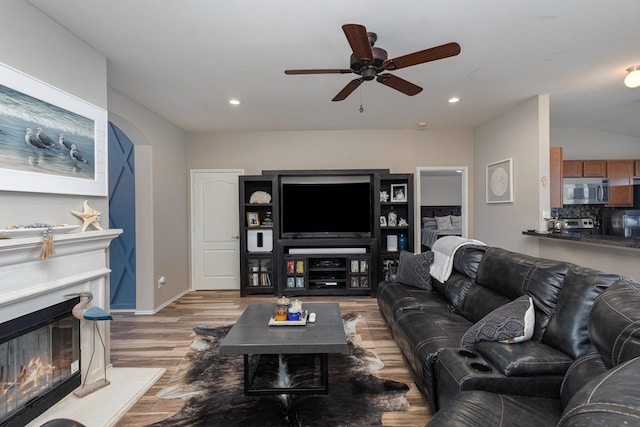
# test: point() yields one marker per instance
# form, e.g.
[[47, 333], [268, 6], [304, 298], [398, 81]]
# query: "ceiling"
[[184, 59]]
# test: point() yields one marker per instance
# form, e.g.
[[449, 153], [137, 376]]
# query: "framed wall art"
[[50, 141], [500, 181], [253, 220], [398, 192]]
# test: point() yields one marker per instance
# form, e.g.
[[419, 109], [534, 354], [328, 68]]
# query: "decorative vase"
[[402, 242]]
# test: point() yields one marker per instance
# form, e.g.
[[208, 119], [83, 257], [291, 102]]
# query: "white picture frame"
[[398, 193], [499, 181], [31, 104]]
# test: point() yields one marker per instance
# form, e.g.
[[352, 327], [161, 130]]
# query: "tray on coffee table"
[[301, 322]]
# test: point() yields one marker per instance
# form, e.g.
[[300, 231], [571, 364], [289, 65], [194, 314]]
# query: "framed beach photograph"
[[398, 192], [500, 181], [50, 141], [253, 219]]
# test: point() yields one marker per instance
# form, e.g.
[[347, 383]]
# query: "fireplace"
[[39, 362], [30, 286]]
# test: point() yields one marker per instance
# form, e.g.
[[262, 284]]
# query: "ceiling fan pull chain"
[[361, 109]]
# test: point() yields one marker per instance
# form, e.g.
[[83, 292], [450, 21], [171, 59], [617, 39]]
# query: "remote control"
[[312, 317]]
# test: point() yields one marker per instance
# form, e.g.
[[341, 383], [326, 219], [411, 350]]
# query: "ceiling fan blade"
[[346, 91], [422, 56], [320, 71], [399, 84], [359, 41]]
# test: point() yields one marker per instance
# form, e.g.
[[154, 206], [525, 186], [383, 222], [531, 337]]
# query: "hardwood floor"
[[163, 339]]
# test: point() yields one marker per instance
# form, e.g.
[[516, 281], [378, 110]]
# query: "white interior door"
[[215, 244]]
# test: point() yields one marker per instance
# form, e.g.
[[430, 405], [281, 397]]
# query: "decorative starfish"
[[90, 216]]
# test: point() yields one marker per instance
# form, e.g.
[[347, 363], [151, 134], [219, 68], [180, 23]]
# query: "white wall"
[[162, 200], [34, 44], [441, 190], [399, 151], [39, 47], [589, 144], [521, 133]]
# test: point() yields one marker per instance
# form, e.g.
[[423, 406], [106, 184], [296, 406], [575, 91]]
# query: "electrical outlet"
[[161, 281]]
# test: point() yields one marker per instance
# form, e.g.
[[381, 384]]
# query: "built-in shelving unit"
[[280, 263]]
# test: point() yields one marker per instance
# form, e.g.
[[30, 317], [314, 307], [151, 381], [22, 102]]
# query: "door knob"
[[235, 237]]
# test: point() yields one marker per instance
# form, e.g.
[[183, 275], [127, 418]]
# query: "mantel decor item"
[[500, 181], [89, 217], [51, 141]]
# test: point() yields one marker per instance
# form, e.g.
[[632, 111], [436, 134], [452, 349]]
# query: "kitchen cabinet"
[[572, 168], [555, 176], [620, 174], [637, 162], [594, 168], [584, 168]]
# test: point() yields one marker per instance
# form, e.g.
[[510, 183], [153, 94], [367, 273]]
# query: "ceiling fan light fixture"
[[633, 77]]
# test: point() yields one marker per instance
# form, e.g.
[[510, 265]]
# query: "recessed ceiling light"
[[234, 102], [453, 100], [422, 124]]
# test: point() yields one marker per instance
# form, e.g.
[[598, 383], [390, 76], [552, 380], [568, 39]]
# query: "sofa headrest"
[[513, 274], [467, 259], [614, 323]]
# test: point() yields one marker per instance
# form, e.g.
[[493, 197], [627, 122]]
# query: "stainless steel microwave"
[[585, 191]]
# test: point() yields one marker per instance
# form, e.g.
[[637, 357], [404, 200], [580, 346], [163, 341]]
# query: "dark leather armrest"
[[525, 359]]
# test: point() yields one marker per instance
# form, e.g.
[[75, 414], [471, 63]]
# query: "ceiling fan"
[[371, 62]]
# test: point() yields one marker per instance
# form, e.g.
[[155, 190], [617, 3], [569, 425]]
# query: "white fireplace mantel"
[[80, 263]]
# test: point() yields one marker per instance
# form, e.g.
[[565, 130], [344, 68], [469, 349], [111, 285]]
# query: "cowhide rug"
[[212, 387]]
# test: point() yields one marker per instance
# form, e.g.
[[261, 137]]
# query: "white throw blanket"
[[443, 251]]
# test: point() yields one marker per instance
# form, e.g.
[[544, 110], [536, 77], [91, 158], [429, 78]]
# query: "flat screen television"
[[326, 210]]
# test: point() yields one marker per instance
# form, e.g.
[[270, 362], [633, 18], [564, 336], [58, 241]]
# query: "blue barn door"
[[122, 215]]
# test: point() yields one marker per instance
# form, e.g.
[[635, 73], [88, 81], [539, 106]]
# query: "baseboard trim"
[[157, 309]]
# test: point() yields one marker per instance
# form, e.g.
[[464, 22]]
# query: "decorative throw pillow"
[[429, 223], [413, 269], [510, 323], [456, 221], [444, 222]]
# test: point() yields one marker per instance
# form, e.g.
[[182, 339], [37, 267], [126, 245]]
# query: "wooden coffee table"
[[252, 337]]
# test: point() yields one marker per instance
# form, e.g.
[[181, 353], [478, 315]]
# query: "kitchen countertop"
[[594, 239]]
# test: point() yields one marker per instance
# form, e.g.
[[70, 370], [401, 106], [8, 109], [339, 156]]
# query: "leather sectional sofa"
[[566, 348]]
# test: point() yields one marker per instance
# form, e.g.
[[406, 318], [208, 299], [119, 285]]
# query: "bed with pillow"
[[438, 221]]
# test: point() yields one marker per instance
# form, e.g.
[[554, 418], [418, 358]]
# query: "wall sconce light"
[[633, 78]]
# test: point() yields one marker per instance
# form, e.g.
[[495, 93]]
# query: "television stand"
[[329, 270]]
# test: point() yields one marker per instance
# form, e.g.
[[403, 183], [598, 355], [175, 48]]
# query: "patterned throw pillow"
[[511, 323], [456, 221], [414, 269], [444, 222]]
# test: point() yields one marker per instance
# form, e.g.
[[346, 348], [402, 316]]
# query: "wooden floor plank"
[[162, 340]]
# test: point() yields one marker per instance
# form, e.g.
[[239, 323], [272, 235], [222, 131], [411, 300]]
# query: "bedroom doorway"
[[443, 186]]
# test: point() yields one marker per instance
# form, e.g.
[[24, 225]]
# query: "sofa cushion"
[[454, 289], [413, 269], [579, 373], [530, 358], [614, 323], [610, 399], [568, 328], [511, 323], [514, 274], [467, 259], [475, 408]]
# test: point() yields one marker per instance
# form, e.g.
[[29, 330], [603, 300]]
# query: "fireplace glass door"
[[38, 363]]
